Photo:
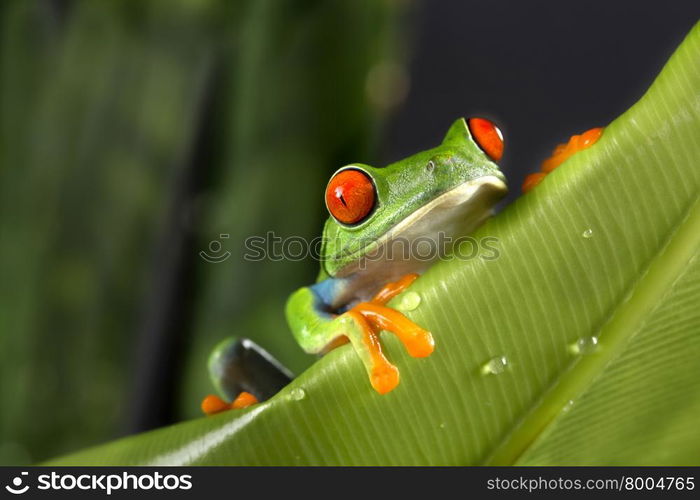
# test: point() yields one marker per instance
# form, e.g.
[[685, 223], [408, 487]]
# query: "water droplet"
[[494, 366], [588, 233], [408, 301], [569, 404], [297, 394], [584, 345], [442, 425]]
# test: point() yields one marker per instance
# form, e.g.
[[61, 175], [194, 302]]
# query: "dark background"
[[133, 135], [542, 70]]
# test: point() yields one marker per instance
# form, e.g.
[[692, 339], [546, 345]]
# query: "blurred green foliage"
[[578, 345], [132, 135]]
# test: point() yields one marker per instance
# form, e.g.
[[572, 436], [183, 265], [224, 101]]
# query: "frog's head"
[[449, 189]]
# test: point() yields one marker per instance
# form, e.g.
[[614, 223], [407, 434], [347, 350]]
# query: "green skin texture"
[[401, 189]]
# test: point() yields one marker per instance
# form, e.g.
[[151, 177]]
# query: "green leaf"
[[605, 247]]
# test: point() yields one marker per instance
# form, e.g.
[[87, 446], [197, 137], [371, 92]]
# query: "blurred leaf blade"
[[606, 247]]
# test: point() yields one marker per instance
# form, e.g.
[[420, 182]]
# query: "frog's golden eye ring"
[[487, 136], [350, 196]]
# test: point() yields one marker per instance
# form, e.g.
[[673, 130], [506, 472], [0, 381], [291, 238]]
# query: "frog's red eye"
[[350, 196], [487, 136]]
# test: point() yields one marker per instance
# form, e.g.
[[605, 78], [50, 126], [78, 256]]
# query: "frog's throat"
[[456, 212]]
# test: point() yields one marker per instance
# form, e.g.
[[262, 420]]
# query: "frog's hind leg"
[[244, 374]]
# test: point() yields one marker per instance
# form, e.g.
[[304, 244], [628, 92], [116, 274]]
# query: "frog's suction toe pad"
[[385, 378]]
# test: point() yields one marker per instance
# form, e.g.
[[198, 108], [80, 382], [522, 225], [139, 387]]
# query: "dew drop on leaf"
[[408, 301], [584, 345], [494, 366], [297, 394]]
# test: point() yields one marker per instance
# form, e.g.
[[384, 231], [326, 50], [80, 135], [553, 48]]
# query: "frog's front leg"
[[318, 329]]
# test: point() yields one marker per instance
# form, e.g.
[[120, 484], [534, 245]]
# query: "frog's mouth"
[[427, 235]]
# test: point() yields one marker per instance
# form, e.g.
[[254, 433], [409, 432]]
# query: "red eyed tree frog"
[[432, 196]]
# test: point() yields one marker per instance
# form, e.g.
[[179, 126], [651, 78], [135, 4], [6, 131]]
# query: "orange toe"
[[533, 180], [576, 143], [214, 404], [384, 378], [244, 400], [562, 153]]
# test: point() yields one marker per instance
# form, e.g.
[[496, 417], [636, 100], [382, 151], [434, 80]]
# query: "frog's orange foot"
[[373, 317], [214, 404], [384, 377], [418, 342], [560, 154]]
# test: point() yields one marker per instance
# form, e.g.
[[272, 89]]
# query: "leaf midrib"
[[625, 320]]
